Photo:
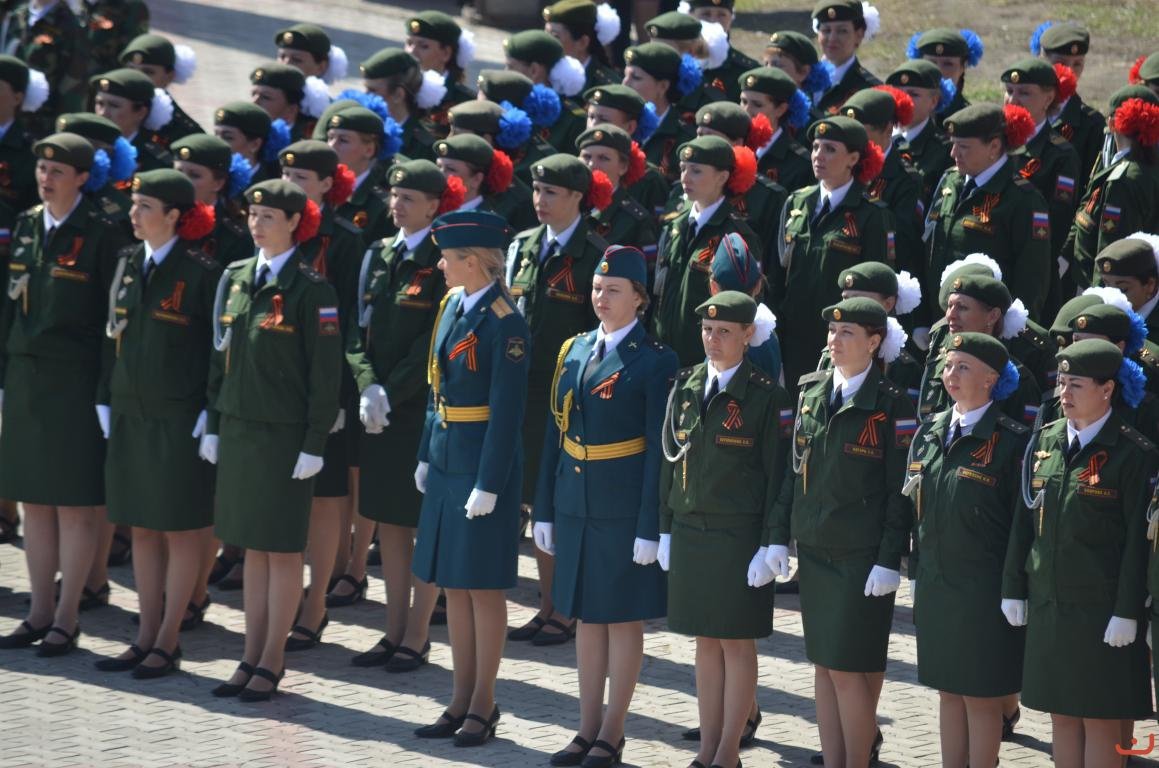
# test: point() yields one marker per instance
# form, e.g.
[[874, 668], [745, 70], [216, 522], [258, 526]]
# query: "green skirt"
[[708, 591], [154, 475], [51, 448], [386, 485], [258, 505], [844, 630]]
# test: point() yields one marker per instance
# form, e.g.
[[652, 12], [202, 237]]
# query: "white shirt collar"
[[615, 337], [762, 151], [159, 255], [1114, 158], [469, 300], [1038, 129], [968, 419], [724, 376], [988, 174], [1061, 107], [1148, 306], [835, 196], [361, 178], [559, 237], [839, 71], [701, 217], [412, 241], [909, 133], [849, 386], [50, 222], [472, 204], [35, 13], [274, 264], [1086, 434]]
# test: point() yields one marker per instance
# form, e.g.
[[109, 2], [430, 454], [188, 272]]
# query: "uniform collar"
[[1087, 434], [836, 196], [472, 204], [702, 216], [469, 300], [275, 264], [50, 222], [158, 256], [36, 13], [969, 419], [985, 176], [412, 241], [839, 72], [761, 151], [559, 237], [849, 387], [912, 132], [724, 376], [1149, 307], [615, 337]]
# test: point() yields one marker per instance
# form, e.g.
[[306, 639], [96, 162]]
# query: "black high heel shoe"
[[172, 664], [122, 665], [408, 660], [564, 757], [311, 639], [441, 730], [249, 694], [373, 658], [352, 598], [478, 738], [615, 755], [226, 690], [30, 636], [47, 649]]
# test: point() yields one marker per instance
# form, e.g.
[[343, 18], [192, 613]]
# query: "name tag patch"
[[864, 451], [733, 441], [978, 477]]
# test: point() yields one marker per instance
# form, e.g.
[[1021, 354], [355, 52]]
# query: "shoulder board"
[[199, 257], [347, 224], [33, 212], [634, 209], [684, 373], [669, 216], [1136, 437], [579, 111], [423, 136], [234, 226], [1035, 337], [236, 264], [310, 273], [127, 250], [1022, 183], [906, 357], [501, 307], [1118, 172], [527, 233], [760, 378], [891, 389], [1148, 356], [798, 149], [597, 242], [654, 344], [1010, 424], [811, 377]]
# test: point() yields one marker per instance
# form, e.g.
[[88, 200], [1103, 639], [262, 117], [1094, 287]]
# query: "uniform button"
[[444, 425], [578, 439], [577, 470]]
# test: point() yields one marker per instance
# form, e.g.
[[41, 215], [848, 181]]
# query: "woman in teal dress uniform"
[[596, 501], [470, 464]]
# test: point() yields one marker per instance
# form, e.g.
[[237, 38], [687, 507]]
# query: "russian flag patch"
[[328, 321], [786, 420], [904, 430], [1029, 413], [1064, 187], [1040, 226]]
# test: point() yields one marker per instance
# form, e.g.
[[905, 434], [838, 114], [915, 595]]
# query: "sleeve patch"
[[1040, 226], [328, 321], [904, 430], [516, 349]]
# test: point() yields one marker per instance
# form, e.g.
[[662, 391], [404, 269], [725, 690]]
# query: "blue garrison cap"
[[623, 261], [733, 265], [471, 229]]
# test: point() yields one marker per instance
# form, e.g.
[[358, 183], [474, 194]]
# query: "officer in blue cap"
[[734, 268]]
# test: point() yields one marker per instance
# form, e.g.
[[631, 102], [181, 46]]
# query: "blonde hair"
[[492, 261]]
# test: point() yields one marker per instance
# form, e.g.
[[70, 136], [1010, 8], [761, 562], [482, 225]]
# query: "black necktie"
[[968, 190], [262, 277], [594, 361], [713, 389], [1073, 449], [399, 250], [48, 235], [147, 269], [838, 399], [459, 310], [601, 350], [824, 210], [552, 249], [955, 433], [691, 229]]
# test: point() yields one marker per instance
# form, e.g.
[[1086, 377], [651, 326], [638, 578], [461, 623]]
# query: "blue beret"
[[471, 229], [733, 265], [623, 261]]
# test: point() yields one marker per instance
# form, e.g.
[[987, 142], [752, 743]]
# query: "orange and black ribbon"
[[1030, 168], [877, 189], [1090, 475], [564, 275], [69, 259], [868, 436], [320, 260], [983, 211], [466, 346], [173, 301], [274, 318], [1093, 202], [416, 281], [605, 388], [984, 454], [850, 228], [733, 421]]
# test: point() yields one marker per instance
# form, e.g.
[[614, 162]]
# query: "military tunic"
[[929, 150], [154, 476], [178, 127], [787, 163], [726, 77], [17, 168], [515, 205], [368, 209], [597, 73], [571, 123], [478, 363], [273, 393], [1083, 126], [110, 26], [905, 372], [1022, 405], [438, 120], [418, 140], [626, 222], [530, 153], [899, 188], [1080, 559], [57, 46], [230, 239], [152, 153], [964, 507], [856, 78], [721, 499], [599, 476], [651, 190], [661, 147], [760, 208]]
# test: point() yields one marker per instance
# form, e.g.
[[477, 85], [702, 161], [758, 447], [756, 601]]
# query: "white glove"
[[1120, 632], [1063, 266], [882, 582], [777, 559], [480, 503], [543, 534], [644, 551], [208, 448], [421, 476], [199, 427], [1015, 612], [339, 421], [760, 573], [307, 466], [103, 412], [921, 337], [664, 551], [372, 408]]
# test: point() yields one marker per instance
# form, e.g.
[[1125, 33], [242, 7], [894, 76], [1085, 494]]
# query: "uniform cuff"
[[315, 442]]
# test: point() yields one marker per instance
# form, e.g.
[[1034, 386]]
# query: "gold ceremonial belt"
[[450, 413], [619, 450]]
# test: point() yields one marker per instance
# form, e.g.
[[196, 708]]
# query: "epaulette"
[[237, 264], [905, 358], [798, 149], [1148, 356], [501, 307], [654, 344], [667, 217], [348, 225], [32, 212], [525, 233], [234, 226], [1118, 171], [759, 377], [634, 209], [199, 257], [1036, 337], [423, 136], [126, 251], [891, 389], [1136, 437], [579, 112], [597, 242], [310, 273], [1014, 426], [684, 373], [811, 377], [745, 61], [1022, 183]]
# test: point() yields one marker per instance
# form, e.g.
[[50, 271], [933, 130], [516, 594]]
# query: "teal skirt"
[[844, 630]]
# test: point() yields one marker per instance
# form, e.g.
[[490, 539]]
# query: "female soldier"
[[794, 54], [541, 58], [922, 139], [1076, 564], [584, 29], [953, 51], [287, 94], [841, 27], [850, 521], [606, 148], [274, 396], [307, 47], [735, 268], [770, 92], [408, 91], [219, 178], [249, 132], [663, 77], [469, 460], [725, 438], [963, 478], [444, 48], [607, 403], [58, 281], [160, 317], [399, 290]]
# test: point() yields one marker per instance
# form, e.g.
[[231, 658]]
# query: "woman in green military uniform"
[[161, 323], [663, 77], [541, 58], [953, 51], [1132, 266], [584, 29], [725, 436], [274, 398], [488, 179], [962, 476], [164, 63], [1076, 565], [781, 159], [249, 131], [922, 138], [367, 143], [623, 107], [308, 48], [851, 522], [55, 360], [287, 94], [842, 26], [550, 115], [139, 109], [443, 47], [506, 128], [409, 93], [609, 149], [49, 39], [219, 177]]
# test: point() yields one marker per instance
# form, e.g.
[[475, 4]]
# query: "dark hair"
[[410, 81], [595, 48]]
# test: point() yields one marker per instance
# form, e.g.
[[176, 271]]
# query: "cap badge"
[[957, 341], [837, 314], [686, 154], [289, 158], [1074, 49], [904, 78], [287, 38], [258, 196], [849, 281], [604, 266], [751, 81], [832, 13], [259, 74], [1064, 365], [939, 49], [823, 128], [712, 310], [1081, 323], [1015, 76], [184, 153], [335, 121], [136, 183], [442, 148], [49, 152], [138, 58], [1106, 265], [957, 283], [104, 83], [415, 26]]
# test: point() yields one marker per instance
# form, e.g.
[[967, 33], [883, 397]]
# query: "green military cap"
[[1032, 71], [657, 59], [916, 73], [332, 109], [606, 135], [534, 46], [1149, 69], [624, 261], [977, 121], [727, 117], [67, 148], [1068, 37], [1103, 320], [471, 229], [467, 148], [856, 309], [1090, 358], [167, 185], [729, 307], [203, 149], [150, 49], [871, 106], [1129, 257], [90, 126], [947, 285], [477, 116], [985, 288], [500, 85], [434, 25], [356, 117], [943, 41], [420, 175], [246, 116], [983, 346], [312, 155], [127, 83], [14, 72], [674, 25], [709, 150], [574, 13], [711, 4], [304, 37], [563, 170], [771, 81], [277, 193], [795, 44], [872, 276], [839, 128], [616, 96], [1131, 92], [387, 63], [280, 76], [838, 10], [1060, 329]]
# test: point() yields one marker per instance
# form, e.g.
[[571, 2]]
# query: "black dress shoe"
[[91, 599], [30, 636], [172, 664], [311, 639], [48, 649], [408, 660], [614, 756], [874, 752], [122, 665], [373, 658], [249, 694], [121, 550], [1008, 724], [714, 765], [527, 631], [198, 617], [750, 730], [444, 729], [353, 598], [564, 633], [478, 738], [222, 567], [225, 690], [565, 757]]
